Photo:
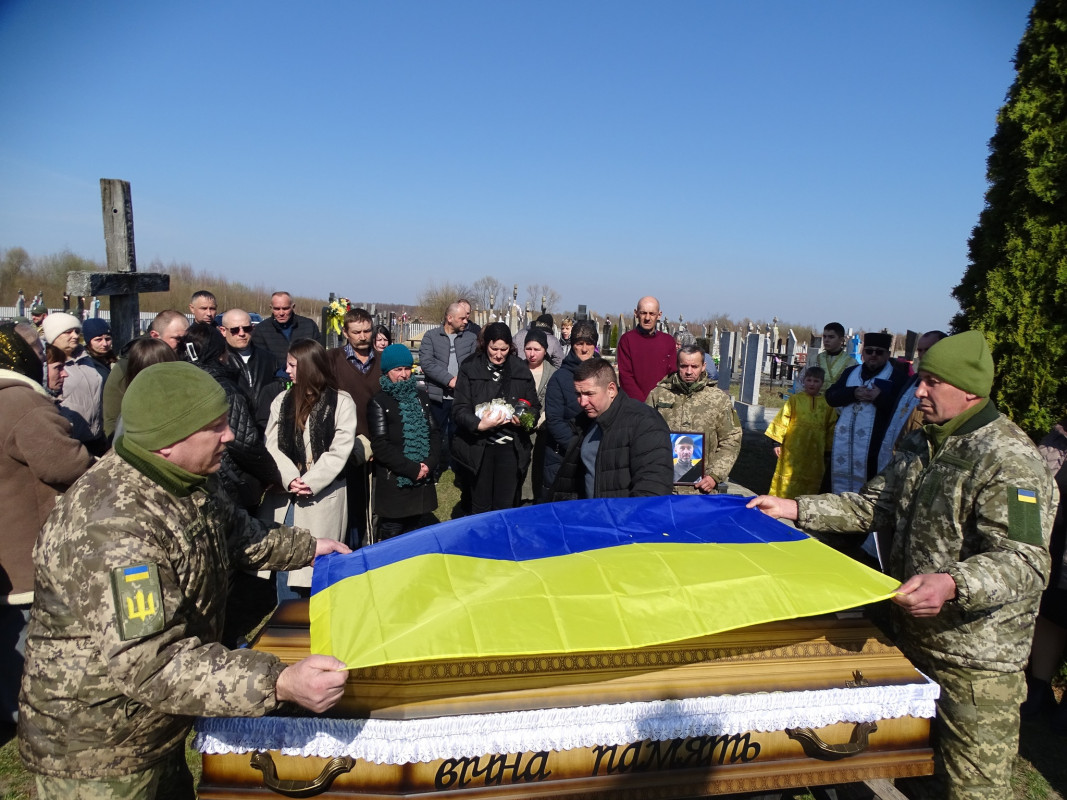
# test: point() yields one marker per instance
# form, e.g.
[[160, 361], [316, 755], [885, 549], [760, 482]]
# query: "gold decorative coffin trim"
[[811, 653]]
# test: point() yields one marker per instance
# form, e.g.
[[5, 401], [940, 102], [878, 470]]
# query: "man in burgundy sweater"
[[645, 355]]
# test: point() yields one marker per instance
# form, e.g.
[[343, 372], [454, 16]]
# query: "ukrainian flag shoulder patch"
[[138, 600], [1024, 516]]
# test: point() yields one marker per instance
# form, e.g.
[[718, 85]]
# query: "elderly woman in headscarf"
[[38, 460], [406, 445]]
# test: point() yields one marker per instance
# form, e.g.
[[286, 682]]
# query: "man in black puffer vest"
[[620, 448]]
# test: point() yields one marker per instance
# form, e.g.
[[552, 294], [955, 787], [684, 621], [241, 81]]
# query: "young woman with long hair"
[[310, 434]]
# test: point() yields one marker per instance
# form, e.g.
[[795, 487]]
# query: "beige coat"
[[325, 513]]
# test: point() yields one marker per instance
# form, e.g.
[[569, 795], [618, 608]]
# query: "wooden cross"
[[122, 282]]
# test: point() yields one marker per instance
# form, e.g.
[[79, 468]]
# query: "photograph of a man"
[[688, 456]]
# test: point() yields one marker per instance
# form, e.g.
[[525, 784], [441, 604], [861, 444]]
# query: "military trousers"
[[975, 735], [168, 779]]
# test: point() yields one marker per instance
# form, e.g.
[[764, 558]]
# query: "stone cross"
[[122, 282]]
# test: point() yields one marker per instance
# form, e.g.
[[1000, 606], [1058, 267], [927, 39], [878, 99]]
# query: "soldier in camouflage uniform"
[[131, 575], [689, 402], [970, 503]]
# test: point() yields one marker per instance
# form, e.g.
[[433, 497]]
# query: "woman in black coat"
[[406, 446], [493, 450]]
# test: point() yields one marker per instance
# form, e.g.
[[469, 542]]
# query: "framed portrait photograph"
[[687, 449]]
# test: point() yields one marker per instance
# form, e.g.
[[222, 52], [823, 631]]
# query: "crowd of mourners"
[[349, 443]]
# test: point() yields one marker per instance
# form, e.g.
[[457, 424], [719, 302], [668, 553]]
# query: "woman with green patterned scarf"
[[406, 445]]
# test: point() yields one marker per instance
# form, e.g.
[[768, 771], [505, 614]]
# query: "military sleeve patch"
[[1024, 516], [138, 600]]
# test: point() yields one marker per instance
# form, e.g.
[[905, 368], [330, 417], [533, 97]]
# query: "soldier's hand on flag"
[[324, 546], [924, 595], [777, 507], [317, 683]]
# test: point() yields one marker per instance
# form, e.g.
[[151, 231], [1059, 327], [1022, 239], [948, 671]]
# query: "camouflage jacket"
[[980, 509], [122, 650], [703, 408]]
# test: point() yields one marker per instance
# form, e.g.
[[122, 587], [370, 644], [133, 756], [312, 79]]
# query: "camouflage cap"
[[962, 360], [166, 402]]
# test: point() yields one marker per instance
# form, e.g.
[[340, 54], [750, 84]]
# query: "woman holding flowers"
[[492, 444]]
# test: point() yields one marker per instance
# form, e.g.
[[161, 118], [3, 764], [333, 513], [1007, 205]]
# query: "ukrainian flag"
[[586, 575]]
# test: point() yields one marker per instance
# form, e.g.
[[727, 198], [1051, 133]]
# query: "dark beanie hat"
[[544, 323], [963, 360], [536, 335], [94, 327], [396, 355], [585, 329], [883, 340], [168, 401]]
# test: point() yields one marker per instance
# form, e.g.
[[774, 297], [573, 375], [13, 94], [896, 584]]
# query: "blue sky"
[[810, 160]]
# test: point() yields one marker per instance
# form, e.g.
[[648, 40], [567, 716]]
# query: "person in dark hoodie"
[[561, 404]]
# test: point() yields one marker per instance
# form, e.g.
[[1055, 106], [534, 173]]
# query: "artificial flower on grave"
[[335, 315]]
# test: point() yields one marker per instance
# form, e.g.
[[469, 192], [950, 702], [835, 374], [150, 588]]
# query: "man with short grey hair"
[[441, 351], [203, 306], [284, 327]]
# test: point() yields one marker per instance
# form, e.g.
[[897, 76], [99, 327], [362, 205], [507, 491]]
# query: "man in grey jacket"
[[441, 352]]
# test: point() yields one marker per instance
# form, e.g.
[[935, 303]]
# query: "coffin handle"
[[292, 788], [815, 747]]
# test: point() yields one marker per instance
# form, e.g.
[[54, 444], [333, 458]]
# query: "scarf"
[[413, 421], [179, 482], [320, 423]]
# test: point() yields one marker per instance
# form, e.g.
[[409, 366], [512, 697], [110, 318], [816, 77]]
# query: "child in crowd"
[[804, 427]]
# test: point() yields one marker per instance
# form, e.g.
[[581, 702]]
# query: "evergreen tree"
[[1015, 286]]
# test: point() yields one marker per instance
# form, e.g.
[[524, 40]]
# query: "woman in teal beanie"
[[406, 445]]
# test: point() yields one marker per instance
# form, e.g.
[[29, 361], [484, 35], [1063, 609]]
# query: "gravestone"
[[122, 282], [726, 359], [752, 369], [790, 353], [911, 341]]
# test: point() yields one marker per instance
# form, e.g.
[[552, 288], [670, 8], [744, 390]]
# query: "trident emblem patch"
[[138, 602]]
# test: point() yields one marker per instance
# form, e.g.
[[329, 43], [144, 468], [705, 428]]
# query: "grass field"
[[1040, 770]]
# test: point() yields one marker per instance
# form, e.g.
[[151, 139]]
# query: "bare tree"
[[488, 288], [435, 299], [535, 293]]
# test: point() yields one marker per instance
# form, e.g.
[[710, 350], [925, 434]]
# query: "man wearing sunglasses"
[[866, 394], [258, 367]]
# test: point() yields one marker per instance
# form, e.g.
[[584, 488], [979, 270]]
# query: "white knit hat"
[[55, 324]]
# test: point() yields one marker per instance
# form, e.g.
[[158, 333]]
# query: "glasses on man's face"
[[875, 351], [240, 329]]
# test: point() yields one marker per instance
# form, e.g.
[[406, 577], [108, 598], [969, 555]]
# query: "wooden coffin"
[[716, 715]]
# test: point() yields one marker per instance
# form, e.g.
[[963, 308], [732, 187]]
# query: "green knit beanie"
[[166, 402], [962, 360]]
